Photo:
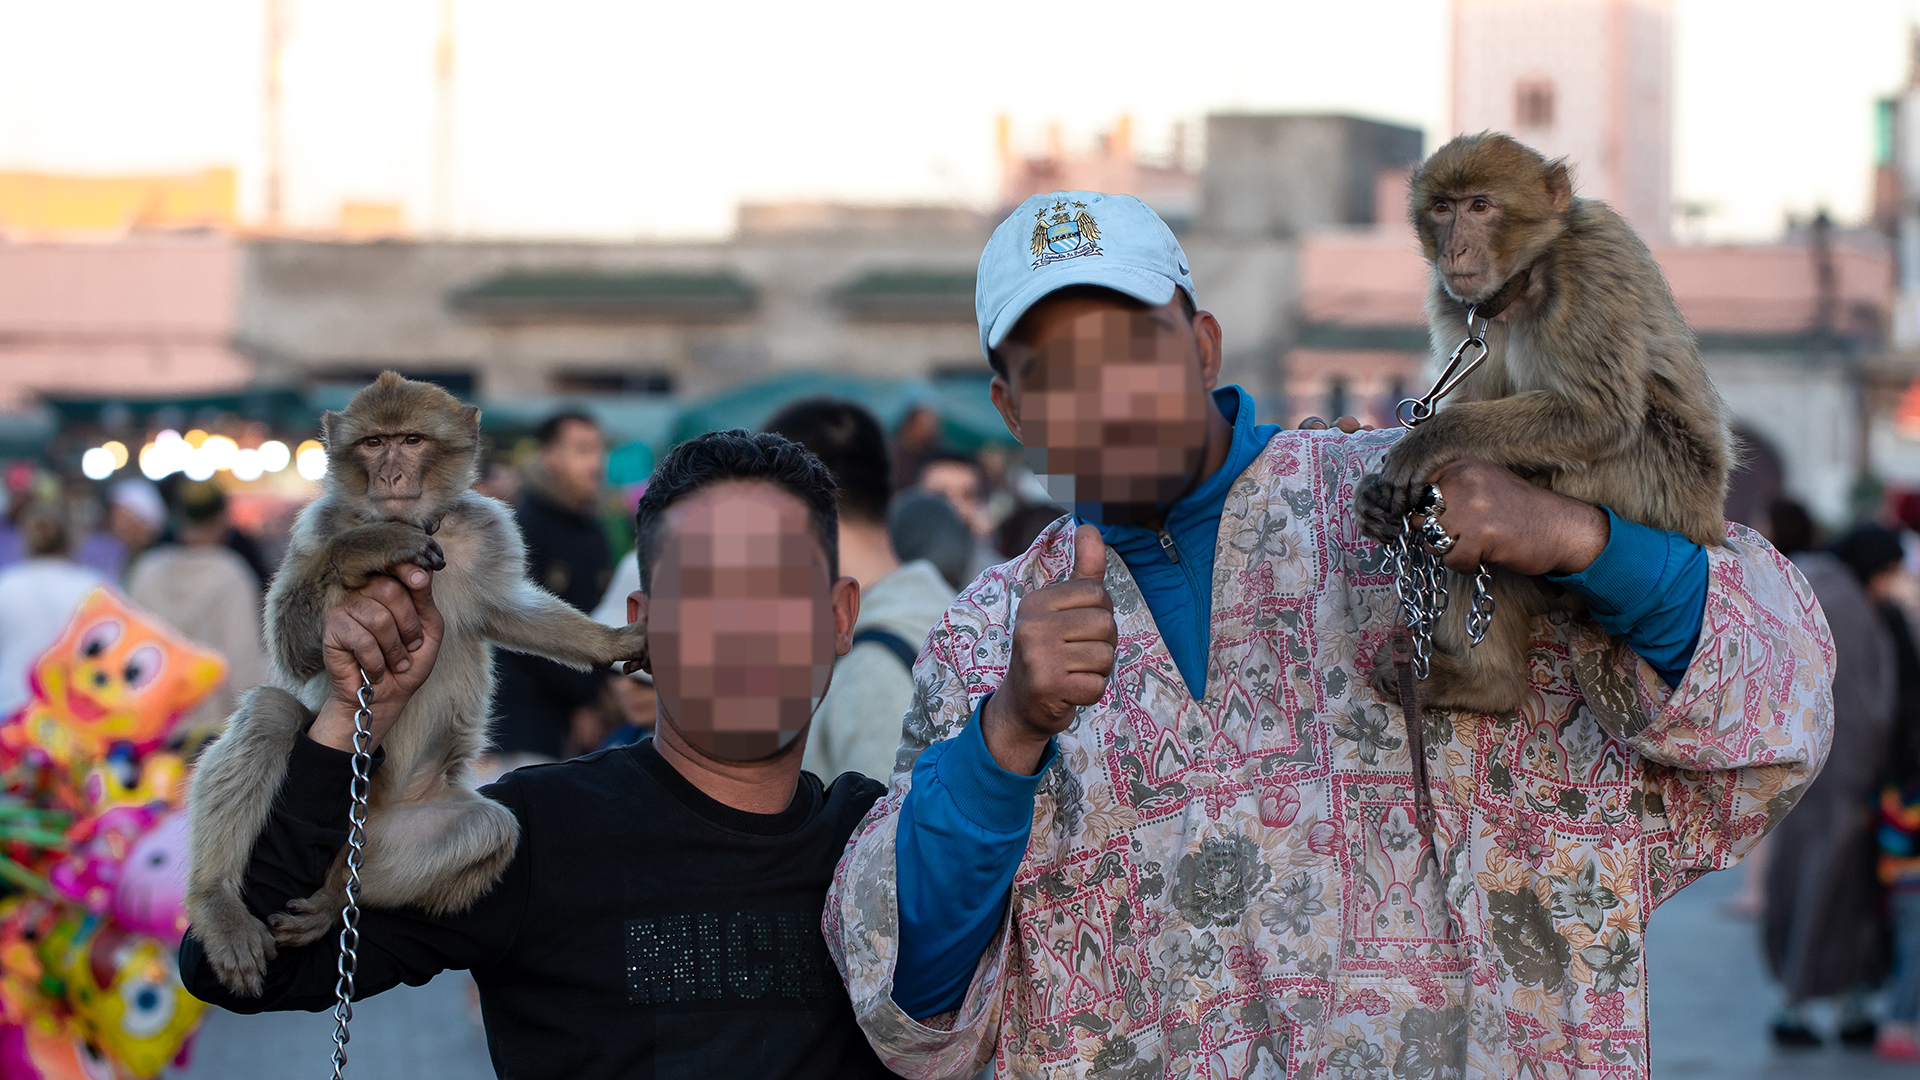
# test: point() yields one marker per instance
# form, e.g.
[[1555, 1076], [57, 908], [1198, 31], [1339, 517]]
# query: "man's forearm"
[[963, 832]]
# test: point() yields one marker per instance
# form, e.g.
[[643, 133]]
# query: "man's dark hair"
[[850, 443], [1088, 292], [719, 456], [549, 430]]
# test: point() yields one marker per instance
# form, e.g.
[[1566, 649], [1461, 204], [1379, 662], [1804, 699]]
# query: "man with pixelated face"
[[1150, 819], [661, 914], [743, 622], [1113, 406]]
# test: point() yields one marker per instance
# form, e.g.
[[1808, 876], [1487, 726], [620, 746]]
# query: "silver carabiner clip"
[[1412, 412]]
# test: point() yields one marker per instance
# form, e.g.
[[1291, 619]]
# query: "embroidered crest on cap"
[[1058, 235]]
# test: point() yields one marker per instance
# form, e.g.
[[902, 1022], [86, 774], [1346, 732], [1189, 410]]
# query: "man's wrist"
[[1584, 534], [1016, 745], [334, 726]]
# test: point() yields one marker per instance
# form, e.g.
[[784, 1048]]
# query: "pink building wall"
[[135, 318]]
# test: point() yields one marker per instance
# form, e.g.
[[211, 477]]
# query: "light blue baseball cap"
[[1074, 238]]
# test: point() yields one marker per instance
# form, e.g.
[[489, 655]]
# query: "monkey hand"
[[630, 644], [1064, 638], [363, 553], [1384, 499], [389, 629]]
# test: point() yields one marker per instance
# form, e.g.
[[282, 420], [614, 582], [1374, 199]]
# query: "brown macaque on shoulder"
[[402, 459], [1592, 388]]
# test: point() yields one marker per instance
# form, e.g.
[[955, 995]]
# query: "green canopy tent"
[[968, 418]]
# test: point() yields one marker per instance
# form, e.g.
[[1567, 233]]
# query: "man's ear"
[[1002, 394], [846, 612], [638, 604], [1206, 331]]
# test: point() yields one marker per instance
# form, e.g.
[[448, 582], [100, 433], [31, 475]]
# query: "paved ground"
[[1711, 1003], [408, 1033]]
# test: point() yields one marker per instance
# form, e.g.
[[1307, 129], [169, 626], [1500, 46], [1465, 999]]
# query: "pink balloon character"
[[150, 897]]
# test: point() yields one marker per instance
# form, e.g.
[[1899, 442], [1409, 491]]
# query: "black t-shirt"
[[642, 930]]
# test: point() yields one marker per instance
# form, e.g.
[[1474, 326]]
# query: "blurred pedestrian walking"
[[922, 525], [1822, 927], [203, 588], [857, 727], [568, 554], [38, 594], [1877, 558]]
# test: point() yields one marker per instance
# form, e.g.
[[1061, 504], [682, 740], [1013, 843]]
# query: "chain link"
[[1419, 579], [359, 787]]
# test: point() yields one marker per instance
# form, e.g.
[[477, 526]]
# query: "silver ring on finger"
[[1431, 502], [1436, 538]]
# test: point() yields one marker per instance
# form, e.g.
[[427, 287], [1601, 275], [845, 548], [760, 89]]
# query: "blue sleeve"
[[1649, 588], [963, 831]]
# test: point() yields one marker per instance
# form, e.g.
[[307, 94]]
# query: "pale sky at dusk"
[[615, 118]]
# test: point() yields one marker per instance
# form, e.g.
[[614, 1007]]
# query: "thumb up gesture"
[[1063, 645]]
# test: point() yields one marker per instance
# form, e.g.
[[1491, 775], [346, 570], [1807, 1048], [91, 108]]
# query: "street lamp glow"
[[119, 451], [165, 455], [274, 455], [219, 451], [246, 465], [311, 461], [97, 463]]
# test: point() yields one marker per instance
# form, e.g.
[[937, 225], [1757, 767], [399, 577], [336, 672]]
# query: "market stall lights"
[[274, 455], [97, 463], [311, 460]]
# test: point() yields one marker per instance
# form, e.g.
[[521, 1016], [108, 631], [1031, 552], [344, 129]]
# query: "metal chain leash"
[[1419, 577], [359, 787]]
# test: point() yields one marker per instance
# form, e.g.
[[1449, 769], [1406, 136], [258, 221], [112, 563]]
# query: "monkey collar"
[[1412, 412]]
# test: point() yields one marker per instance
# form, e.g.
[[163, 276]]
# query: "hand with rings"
[[1489, 515]]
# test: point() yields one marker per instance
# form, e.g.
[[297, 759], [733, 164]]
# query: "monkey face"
[[1112, 408], [1466, 227], [396, 465], [1486, 207], [743, 623]]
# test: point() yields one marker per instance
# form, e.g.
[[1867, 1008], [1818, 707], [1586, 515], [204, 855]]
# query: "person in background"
[[857, 727], [1876, 557], [961, 481], [38, 594], [636, 705], [136, 517], [917, 435], [1821, 927], [1017, 532], [202, 588], [922, 525], [568, 555]]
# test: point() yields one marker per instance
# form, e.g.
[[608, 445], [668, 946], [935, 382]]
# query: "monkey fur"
[[432, 841], [1593, 388]]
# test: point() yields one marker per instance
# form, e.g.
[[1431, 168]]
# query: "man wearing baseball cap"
[[1149, 818]]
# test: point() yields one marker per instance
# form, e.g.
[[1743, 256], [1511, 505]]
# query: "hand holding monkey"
[[1501, 520], [388, 630]]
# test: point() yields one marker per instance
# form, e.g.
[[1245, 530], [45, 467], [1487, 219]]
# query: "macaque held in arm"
[[402, 459], [1593, 387]]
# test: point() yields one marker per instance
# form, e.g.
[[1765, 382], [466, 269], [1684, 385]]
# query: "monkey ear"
[[1559, 185], [329, 423], [471, 417]]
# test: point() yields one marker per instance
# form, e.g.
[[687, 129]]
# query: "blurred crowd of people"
[[919, 520], [1836, 885]]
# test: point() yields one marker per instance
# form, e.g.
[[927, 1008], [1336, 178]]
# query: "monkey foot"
[[303, 923]]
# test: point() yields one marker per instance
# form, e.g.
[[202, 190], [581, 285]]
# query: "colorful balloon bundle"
[[93, 852]]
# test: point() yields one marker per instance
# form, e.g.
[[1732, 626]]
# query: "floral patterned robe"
[[1235, 888]]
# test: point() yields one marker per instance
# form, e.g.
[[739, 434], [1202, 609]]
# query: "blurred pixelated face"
[[741, 627], [1112, 407]]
